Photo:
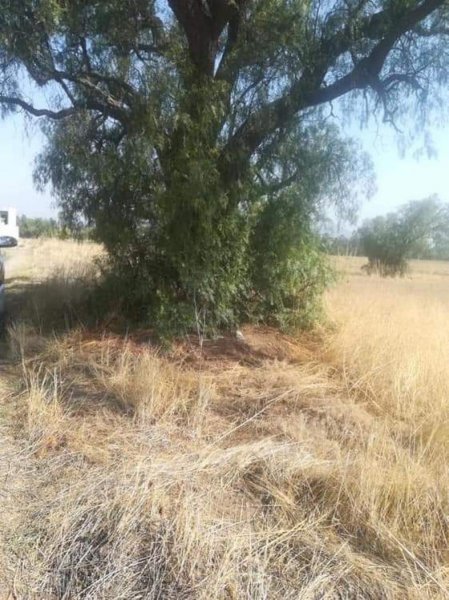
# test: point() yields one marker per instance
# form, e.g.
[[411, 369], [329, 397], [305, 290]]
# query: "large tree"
[[188, 129]]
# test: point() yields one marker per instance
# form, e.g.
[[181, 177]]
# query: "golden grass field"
[[306, 468]]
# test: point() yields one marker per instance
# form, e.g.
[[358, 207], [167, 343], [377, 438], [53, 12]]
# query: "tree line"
[[38, 227]]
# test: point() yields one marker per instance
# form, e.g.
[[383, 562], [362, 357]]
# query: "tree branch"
[[38, 112], [309, 91]]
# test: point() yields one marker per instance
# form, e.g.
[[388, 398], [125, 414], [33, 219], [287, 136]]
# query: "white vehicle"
[[8, 223]]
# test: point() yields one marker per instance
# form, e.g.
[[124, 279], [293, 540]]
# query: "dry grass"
[[49, 282], [278, 468]]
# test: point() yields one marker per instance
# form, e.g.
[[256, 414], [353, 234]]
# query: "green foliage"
[[390, 241], [289, 270], [194, 137]]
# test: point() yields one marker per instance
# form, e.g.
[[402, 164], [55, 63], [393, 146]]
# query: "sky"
[[399, 178], [404, 176], [20, 142]]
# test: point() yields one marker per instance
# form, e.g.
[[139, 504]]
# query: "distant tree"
[[412, 231]]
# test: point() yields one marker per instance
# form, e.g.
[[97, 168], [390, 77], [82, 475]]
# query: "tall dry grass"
[[51, 283], [278, 468], [393, 342]]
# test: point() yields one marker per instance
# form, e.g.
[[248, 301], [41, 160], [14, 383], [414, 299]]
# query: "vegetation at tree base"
[[195, 137]]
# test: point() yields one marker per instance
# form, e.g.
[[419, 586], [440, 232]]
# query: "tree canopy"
[[265, 60], [187, 129]]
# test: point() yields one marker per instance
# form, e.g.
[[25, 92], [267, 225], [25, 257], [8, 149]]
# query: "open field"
[[313, 467]]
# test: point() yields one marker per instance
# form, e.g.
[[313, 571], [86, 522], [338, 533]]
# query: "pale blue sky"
[[20, 141], [399, 178]]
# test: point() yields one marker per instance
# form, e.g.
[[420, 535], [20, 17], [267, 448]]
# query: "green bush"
[[289, 270]]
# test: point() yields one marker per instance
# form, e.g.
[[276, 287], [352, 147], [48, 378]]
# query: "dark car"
[[7, 241]]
